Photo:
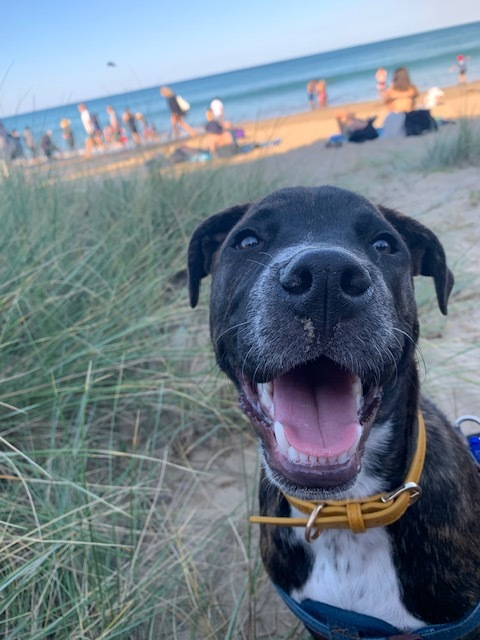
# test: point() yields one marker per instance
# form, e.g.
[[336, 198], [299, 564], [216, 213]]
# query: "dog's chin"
[[312, 422]]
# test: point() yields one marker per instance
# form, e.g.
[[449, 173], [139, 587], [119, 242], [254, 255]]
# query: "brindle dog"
[[313, 317]]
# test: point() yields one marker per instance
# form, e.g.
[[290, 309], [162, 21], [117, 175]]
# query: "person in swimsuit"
[[401, 94]]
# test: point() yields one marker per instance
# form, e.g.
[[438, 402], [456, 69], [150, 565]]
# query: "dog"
[[313, 318]]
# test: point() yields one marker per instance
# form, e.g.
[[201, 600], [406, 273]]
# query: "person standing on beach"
[[18, 151], [461, 65], [115, 132], [47, 145], [176, 113], [67, 133], [311, 93], [128, 119], [89, 126], [321, 89], [30, 142]]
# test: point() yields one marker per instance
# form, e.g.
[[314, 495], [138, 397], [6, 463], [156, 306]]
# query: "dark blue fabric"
[[338, 624], [454, 630]]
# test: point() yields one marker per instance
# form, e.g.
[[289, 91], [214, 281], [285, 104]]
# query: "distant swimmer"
[[461, 68]]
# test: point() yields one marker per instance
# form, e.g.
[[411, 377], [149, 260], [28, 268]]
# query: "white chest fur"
[[356, 572]]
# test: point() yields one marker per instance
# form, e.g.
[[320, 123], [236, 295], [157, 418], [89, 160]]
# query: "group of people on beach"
[[115, 134], [118, 131], [219, 131], [400, 97], [405, 116], [317, 94], [12, 144]]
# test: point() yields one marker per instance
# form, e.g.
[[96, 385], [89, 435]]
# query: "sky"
[[54, 53]]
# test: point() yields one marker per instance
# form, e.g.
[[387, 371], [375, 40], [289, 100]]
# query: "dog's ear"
[[428, 256], [205, 241]]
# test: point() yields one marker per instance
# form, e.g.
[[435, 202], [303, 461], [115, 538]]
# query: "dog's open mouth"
[[313, 422]]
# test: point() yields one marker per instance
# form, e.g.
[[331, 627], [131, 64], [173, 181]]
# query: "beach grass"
[[458, 146], [115, 424], [107, 389]]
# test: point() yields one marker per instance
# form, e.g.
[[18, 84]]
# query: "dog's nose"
[[330, 279]]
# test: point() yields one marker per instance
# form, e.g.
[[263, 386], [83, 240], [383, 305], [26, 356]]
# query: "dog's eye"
[[382, 245], [248, 241]]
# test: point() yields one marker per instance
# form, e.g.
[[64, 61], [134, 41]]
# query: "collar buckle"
[[412, 488]]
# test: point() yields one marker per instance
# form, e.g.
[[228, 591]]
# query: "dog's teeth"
[[282, 442], [299, 457], [356, 384], [357, 392], [293, 455], [265, 393], [354, 446]]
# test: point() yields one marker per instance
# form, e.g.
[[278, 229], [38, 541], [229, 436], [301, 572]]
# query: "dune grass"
[[456, 145], [106, 391]]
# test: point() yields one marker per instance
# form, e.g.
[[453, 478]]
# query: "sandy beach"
[[295, 132]]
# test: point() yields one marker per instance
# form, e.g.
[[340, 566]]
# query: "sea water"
[[278, 89]]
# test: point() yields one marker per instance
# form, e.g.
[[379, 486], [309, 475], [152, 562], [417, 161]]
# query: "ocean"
[[279, 88]]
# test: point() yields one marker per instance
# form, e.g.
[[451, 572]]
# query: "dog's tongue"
[[317, 407]]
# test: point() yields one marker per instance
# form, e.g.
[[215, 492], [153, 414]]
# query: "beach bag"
[[416, 122], [360, 135], [183, 104]]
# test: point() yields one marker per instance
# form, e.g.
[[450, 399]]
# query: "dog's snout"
[[297, 278], [334, 279]]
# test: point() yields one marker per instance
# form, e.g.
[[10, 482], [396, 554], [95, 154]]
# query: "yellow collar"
[[362, 514]]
